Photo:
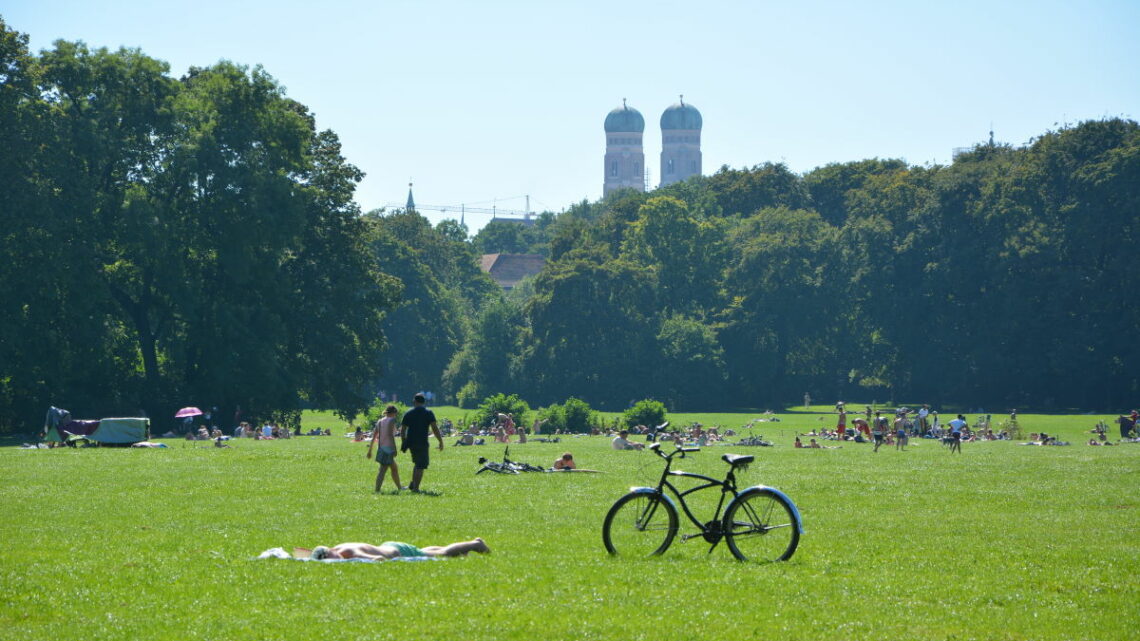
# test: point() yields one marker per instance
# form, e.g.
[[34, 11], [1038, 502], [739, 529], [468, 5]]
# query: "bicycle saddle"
[[737, 459]]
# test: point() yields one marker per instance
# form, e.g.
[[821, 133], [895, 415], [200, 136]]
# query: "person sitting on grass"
[[389, 550], [622, 442], [565, 462]]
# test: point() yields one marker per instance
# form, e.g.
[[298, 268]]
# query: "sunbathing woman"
[[389, 550]]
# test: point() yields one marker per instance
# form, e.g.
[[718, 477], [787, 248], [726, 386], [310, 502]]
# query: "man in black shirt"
[[415, 426]]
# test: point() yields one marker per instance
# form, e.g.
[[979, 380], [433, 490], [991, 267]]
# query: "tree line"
[[1002, 279], [194, 240]]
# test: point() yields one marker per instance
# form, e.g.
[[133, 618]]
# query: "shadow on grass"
[[424, 492], [408, 493]]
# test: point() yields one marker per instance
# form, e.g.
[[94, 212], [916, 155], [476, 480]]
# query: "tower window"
[[614, 169], [669, 167]]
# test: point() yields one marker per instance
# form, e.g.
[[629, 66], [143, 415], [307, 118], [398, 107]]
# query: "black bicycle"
[[507, 466], [760, 523]]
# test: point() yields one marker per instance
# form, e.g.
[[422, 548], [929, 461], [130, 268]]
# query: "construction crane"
[[494, 210]]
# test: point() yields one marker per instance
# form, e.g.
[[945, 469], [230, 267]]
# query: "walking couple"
[[413, 428]]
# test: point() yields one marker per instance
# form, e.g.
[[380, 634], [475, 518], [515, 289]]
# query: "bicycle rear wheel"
[[761, 526], [640, 524]]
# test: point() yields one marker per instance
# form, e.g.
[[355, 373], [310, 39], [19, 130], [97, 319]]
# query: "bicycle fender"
[[653, 490], [795, 510]]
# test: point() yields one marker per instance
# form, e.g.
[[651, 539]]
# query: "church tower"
[[625, 159], [680, 143]]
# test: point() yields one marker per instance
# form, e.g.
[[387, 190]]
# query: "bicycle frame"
[[744, 517], [727, 486]]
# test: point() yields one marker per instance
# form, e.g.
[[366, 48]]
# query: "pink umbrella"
[[188, 411]]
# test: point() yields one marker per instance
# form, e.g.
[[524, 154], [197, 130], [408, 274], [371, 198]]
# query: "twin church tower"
[[680, 146]]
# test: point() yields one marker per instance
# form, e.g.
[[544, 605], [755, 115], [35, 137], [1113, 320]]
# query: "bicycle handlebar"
[[656, 447]]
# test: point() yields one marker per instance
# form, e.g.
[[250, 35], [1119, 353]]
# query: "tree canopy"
[[1001, 278], [176, 241]]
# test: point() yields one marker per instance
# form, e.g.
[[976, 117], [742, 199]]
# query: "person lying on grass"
[[565, 462], [389, 550]]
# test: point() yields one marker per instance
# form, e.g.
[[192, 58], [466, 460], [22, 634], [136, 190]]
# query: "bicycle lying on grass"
[[760, 523], [507, 466]]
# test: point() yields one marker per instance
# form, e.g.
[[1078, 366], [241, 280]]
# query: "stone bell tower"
[[625, 158]]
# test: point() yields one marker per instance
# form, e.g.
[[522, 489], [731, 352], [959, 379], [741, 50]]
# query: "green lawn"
[[1001, 542]]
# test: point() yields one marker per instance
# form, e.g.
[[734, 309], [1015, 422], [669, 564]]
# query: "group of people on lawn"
[[413, 430], [873, 426]]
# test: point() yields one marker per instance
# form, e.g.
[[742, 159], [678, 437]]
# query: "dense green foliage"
[[1002, 280], [175, 241], [497, 404], [442, 286], [574, 416], [647, 412], [1030, 544], [487, 360]]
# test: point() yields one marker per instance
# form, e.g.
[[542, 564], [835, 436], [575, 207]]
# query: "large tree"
[[593, 324], [191, 241]]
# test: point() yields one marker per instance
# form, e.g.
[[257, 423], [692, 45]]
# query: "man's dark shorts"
[[420, 454]]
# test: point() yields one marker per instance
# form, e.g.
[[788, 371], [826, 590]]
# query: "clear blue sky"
[[480, 102]]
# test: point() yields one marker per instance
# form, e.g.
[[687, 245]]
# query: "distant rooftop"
[[509, 269]]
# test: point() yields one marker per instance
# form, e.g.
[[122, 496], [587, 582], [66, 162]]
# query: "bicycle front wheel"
[[761, 526], [640, 524]]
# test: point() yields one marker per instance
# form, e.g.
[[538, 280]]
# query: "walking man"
[[415, 426]]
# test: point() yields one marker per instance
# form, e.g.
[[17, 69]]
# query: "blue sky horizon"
[[482, 104]]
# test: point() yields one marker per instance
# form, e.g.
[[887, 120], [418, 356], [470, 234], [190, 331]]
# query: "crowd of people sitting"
[[869, 426], [267, 432], [1045, 439], [694, 435]]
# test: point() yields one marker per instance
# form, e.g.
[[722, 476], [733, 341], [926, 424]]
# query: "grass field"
[[1000, 542]]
